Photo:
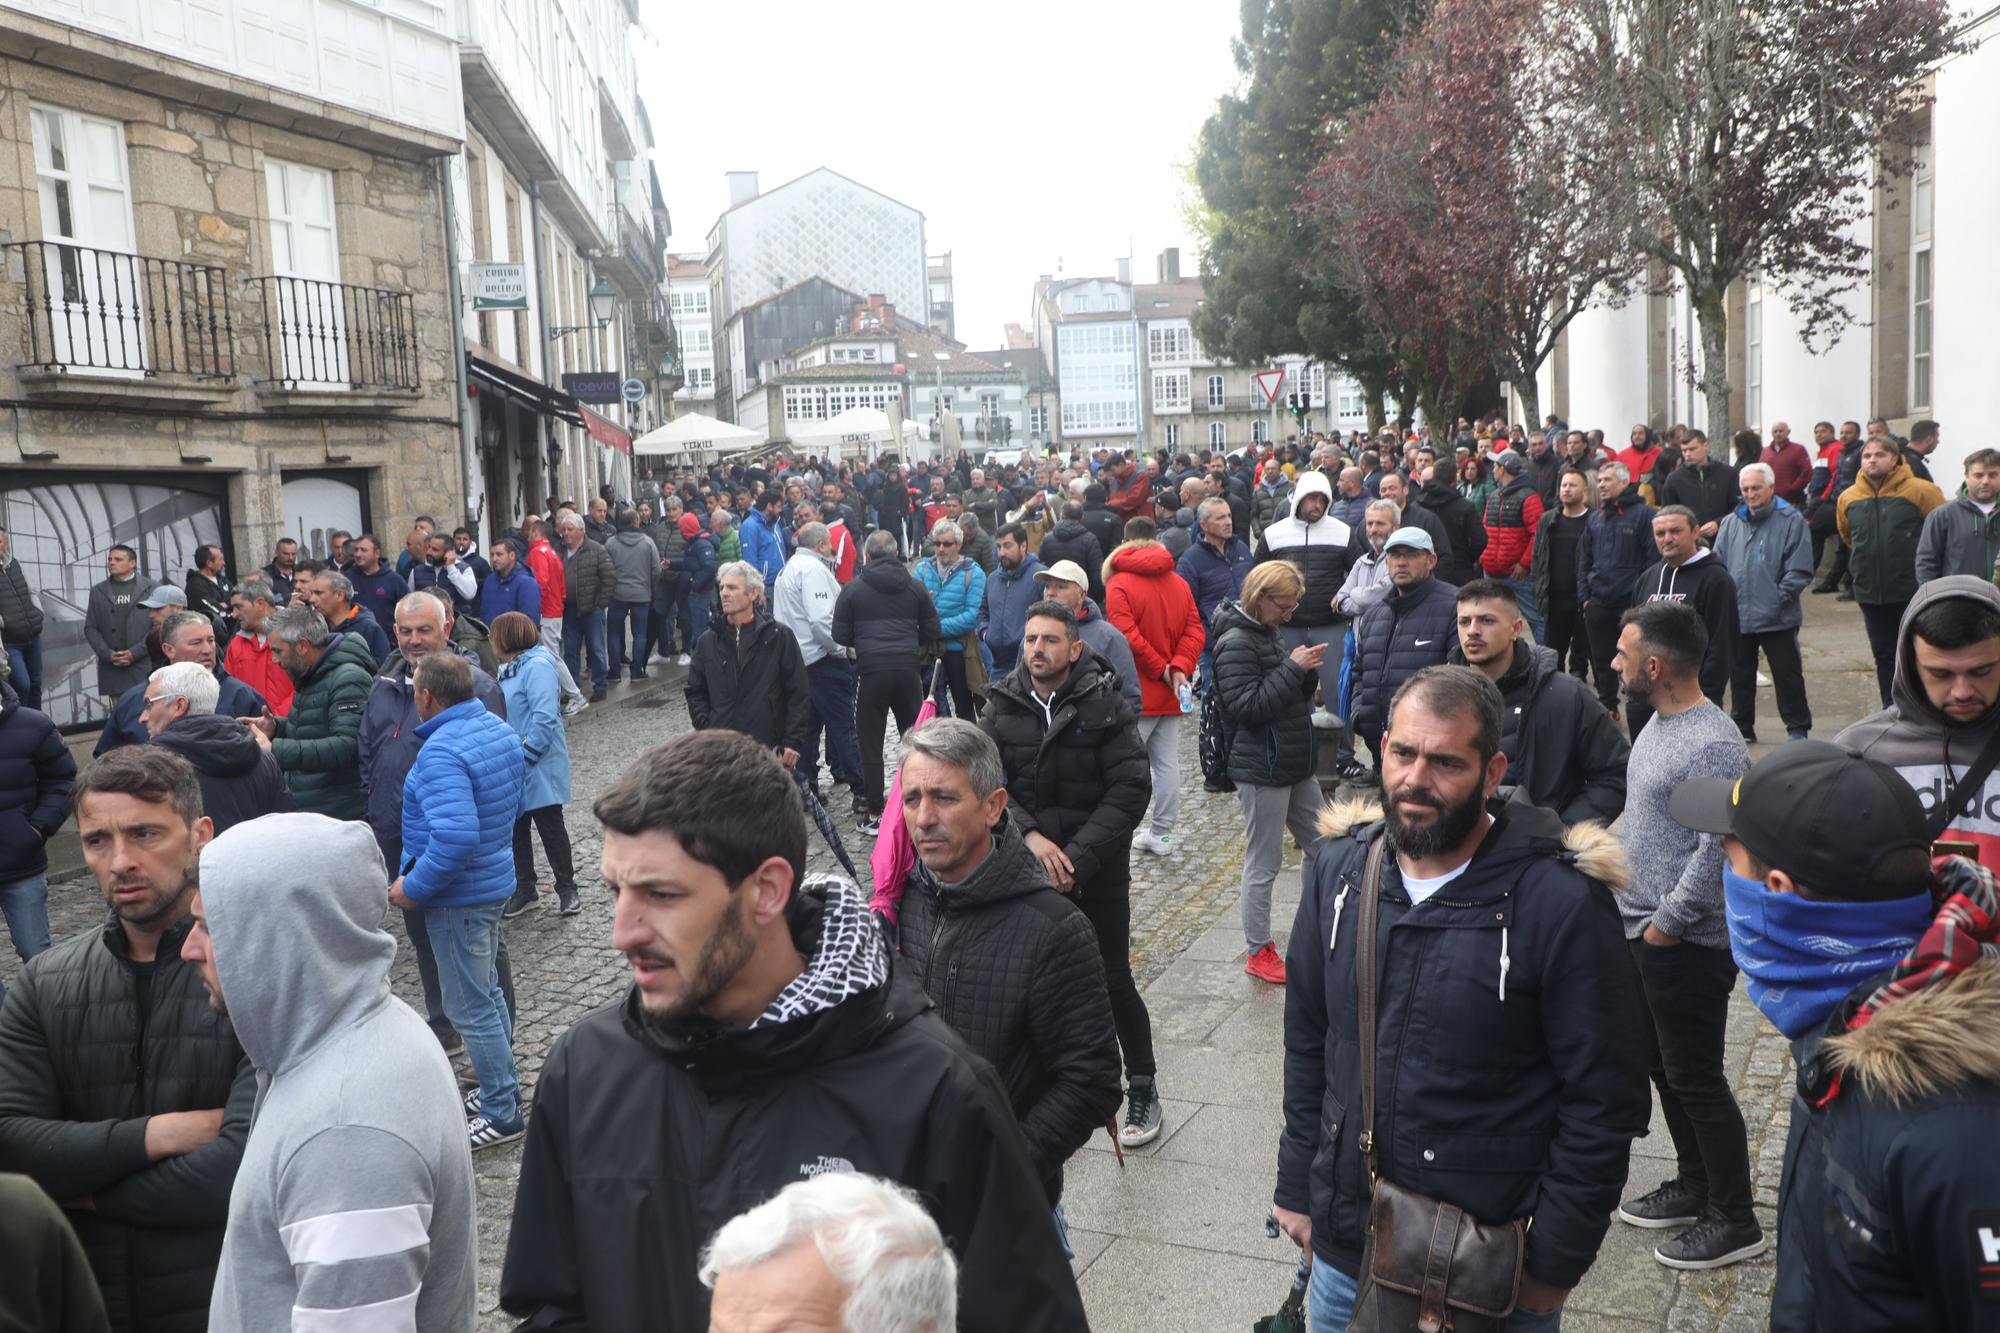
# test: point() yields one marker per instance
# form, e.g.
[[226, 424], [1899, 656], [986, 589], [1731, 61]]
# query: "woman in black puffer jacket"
[[1266, 694]]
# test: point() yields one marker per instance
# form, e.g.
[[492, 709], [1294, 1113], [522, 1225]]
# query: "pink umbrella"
[[894, 853]]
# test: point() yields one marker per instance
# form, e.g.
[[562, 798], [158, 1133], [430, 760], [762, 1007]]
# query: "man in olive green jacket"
[[319, 744]]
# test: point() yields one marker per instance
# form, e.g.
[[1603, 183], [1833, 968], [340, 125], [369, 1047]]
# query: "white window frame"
[[1173, 435], [1217, 394], [1258, 433], [1923, 279], [1218, 435], [1753, 353], [1170, 391]]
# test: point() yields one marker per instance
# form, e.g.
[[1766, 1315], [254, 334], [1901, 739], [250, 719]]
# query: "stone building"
[[224, 289]]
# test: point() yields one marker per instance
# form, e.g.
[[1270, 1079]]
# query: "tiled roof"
[[687, 266], [1181, 298], [861, 372]]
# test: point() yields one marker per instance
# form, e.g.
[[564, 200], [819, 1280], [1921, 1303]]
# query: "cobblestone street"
[[1174, 1240]]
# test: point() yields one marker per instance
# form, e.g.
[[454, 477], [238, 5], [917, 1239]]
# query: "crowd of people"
[[852, 1100]]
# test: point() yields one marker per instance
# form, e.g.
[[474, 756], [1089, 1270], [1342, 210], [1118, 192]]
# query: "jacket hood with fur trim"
[[1943, 1037], [1591, 847]]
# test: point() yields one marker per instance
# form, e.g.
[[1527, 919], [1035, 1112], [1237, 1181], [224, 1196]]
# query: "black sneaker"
[[524, 900], [1143, 1117], [859, 805], [870, 825], [1713, 1242], [1351, 769], [568, 904], [1671, 1205], [597, 696]]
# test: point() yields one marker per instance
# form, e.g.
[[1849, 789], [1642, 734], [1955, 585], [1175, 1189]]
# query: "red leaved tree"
[[1754, 131], [1480, 187]]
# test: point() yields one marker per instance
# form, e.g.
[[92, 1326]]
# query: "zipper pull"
[[1339, 905]]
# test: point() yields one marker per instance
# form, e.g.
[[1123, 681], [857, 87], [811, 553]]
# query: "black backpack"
[[1215, 733]]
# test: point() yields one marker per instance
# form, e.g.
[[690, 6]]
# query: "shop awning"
[[530, 393], [606, 433]]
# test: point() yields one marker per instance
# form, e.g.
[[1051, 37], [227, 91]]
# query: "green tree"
[[1305, 66]]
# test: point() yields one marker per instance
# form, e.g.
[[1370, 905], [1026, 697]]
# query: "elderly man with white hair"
[[240, 780], [748, 673], [839, 1251], [1766, 545]]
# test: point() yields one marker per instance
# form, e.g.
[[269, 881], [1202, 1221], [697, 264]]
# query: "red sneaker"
[[1265, 965]]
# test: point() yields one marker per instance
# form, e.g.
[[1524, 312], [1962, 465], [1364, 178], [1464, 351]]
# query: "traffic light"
[[1305, 401], [1292, 403]]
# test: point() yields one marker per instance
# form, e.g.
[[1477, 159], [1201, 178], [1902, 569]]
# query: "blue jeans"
[[1330, 1304], [24, 661], [831, 680], [620, 613], [696, 608], [465, 941], [577, 631], [25, 904], [1524, 592]]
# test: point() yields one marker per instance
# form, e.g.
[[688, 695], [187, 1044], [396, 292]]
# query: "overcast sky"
[[1029, 134]]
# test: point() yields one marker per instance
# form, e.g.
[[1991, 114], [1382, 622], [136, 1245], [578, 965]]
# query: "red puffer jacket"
[[1511, 515], [1151, 604]]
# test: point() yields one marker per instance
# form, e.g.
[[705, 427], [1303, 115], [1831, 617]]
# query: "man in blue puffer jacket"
[[459, 805], [762, 546]]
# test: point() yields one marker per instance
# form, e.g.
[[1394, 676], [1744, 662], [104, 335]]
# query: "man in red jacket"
[[1791, 464], [1512, 511], [1151, 605], [547, 567], [249, 657]]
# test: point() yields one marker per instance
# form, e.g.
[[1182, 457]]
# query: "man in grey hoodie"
[[354, 1204]]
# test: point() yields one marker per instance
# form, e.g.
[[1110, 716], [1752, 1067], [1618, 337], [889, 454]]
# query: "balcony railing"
[[334, 335], [1235, 402], [127, 315]]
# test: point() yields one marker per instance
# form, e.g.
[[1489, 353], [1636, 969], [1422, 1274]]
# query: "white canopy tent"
[[694, 434], [866, 431]]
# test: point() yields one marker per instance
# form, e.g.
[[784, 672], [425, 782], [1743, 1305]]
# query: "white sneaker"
[[683, 660], [574, 704], [1148, 841]]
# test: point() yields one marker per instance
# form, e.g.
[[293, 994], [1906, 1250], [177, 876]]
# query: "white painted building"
[[785, 265], [689, 306], [1921, 346], [392, 61], [1125, 362], [556, 176]]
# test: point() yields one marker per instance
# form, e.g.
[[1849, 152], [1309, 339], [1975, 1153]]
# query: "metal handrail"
[[338, 334], [106, 310]]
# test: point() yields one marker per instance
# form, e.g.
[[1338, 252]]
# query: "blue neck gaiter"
[[1802, 956]]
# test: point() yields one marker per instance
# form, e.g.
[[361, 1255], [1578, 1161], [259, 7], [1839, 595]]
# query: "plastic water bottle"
[[1187, 697]]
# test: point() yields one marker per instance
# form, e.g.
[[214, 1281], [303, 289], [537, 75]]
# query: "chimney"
[[1170, 264], [742, 187], [1125, 270]]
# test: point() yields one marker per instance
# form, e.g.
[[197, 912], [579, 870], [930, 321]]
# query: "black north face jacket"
[[646, 1139]]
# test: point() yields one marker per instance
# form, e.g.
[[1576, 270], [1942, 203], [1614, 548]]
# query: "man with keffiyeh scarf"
[[765, 1039], [1889, 1207]]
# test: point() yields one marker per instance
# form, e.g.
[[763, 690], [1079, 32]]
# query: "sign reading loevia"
[[499, 286]]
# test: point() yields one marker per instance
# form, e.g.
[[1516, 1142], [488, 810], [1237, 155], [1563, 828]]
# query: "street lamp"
[[603, 299]]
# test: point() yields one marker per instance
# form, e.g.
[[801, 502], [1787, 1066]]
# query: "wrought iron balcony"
[[336, 336], [108, 313]]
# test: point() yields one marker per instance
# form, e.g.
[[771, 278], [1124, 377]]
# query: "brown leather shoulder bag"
[[1427, 1266]]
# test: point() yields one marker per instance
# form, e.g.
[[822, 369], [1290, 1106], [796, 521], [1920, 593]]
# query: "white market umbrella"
[[862, 428], [695, 433]]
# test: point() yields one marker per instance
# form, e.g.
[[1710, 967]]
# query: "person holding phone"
[[1267, 693]]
